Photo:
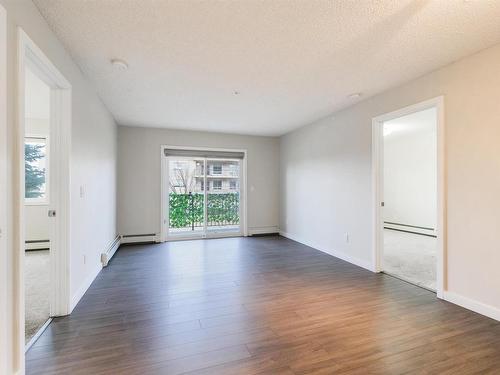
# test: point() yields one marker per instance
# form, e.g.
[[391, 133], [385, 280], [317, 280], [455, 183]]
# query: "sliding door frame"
[[164, 211], [377, 183]]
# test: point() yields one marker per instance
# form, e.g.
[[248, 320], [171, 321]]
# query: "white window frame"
[[218, 173], [46, 199], [213, 185]]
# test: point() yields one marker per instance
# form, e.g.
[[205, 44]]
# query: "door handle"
[[52, 213]]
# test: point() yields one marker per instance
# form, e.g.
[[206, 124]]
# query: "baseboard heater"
[[108, 254], [407, 228], [34, 245], [265, 234], [263, 231], [138, 239]]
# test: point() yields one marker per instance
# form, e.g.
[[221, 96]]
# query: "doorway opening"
[[42, 195], [203, 193], [408, 178], [37, 201]]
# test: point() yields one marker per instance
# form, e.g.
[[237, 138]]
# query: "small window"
[[233, 185], [35, 170], [217, 169], [217, 184]]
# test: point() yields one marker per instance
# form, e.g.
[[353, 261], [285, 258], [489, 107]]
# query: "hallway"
[[263, 305]]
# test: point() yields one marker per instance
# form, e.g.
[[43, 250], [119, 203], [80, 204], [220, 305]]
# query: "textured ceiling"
[[292, 62]]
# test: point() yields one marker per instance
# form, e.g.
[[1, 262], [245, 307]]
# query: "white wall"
[[36, 97], [93, 159], [139, 175], [36, 223], [326, 176], [410, 167]]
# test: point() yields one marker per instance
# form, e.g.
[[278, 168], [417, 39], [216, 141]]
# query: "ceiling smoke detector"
[[119, 64], [355, 95]]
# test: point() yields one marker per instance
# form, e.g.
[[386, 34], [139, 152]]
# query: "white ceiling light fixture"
[[119, 64], [388, 130], [394, 127], [355, 95]]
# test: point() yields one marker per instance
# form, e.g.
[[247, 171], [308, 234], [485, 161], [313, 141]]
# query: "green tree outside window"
[[34, 155]]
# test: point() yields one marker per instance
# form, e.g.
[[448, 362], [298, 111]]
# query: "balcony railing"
[[187, 210], [224, 174]]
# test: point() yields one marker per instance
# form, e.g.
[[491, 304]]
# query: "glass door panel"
[[186, 196], [203, 196], [223, 195]]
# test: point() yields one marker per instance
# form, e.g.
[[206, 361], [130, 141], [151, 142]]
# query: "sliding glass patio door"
[[204, 196]]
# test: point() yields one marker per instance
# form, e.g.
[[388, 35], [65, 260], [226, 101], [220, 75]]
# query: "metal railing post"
[[191, 196]]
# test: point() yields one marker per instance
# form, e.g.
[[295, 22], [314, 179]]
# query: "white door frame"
[[377, 181], [165, 190], [60, 134], [5, 281]]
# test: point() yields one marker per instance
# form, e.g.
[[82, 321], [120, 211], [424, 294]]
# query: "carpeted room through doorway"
[[37, 291]]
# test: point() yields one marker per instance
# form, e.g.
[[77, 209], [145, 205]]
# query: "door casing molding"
[[30, 55], [5, 258]]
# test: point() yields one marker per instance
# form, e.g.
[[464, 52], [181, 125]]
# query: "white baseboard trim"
[[262, 230], [337, 254], [139, 238], [85, 286], [470, 304], [110, 251]]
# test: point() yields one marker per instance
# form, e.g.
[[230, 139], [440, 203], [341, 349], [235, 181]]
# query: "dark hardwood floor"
[[263, 305]]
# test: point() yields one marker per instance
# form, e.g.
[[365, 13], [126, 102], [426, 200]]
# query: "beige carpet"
[[37, 280], [411, 257]]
